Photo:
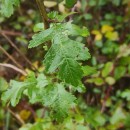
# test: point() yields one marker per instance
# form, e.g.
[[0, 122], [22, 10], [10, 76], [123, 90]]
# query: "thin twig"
[[107, 94], [10, 57], [13, 33], [14, 68], [7, 32], [16, 48], [16, 116]]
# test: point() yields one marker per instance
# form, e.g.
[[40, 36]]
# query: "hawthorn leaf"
[[59, 100], [64, 56], [34, 91], [70, 72], [41, 37], [33, 94], [83, 52], [76, 30], [41, 81], [7, 7], [64, 102], [14, 93]]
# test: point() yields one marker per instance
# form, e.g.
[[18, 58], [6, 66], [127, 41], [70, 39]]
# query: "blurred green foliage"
[[105, 104]]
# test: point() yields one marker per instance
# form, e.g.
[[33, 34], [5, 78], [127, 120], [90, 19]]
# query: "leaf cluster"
[[64, 53], [41, 90]]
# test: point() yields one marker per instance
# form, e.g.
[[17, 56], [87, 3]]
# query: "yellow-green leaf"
[[106, 28], [113, 36]]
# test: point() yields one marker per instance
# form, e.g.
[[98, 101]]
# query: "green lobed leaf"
[[41, 81], [41, 37], [63, 56], [7, 7], [59, 100], [70, 72], [76, 30], [34, 92], [14, 93]]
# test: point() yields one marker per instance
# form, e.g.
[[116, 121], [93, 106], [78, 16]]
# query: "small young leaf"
[[107, 69], [70, 3], [119, 72], [38, 27], [55, 16], [110, 80], [126, 94], [3, 84], [88, 70], [41, 81]]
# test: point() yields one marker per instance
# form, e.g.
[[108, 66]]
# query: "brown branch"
[[14, 68], [43, 13], [107, 94], [16, 117], [45, 19], [10, 57], [16, 48], [12, 33]]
